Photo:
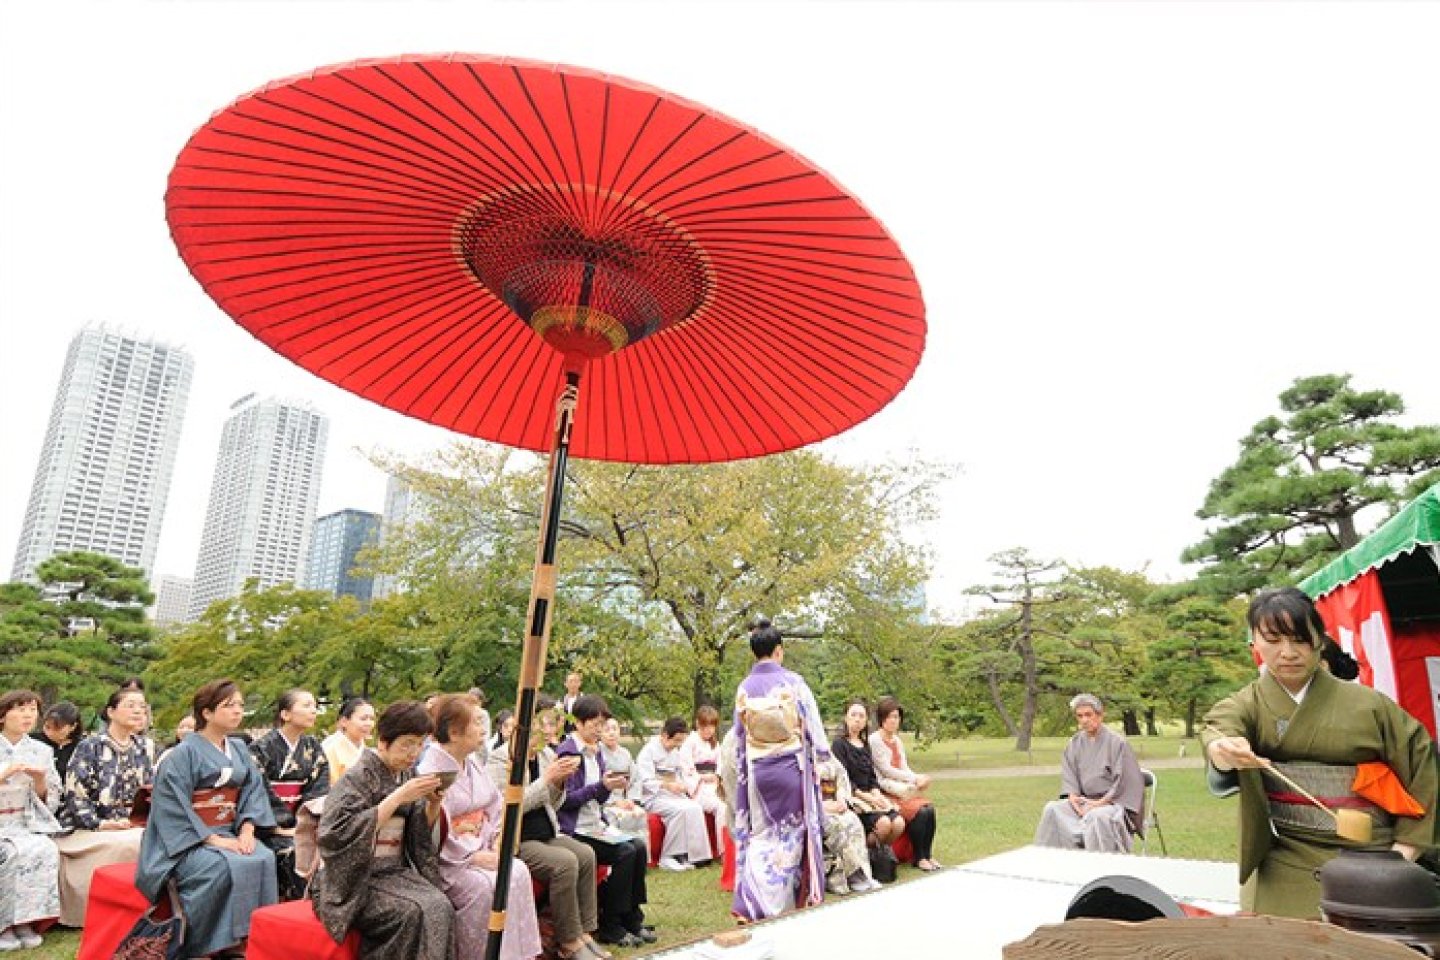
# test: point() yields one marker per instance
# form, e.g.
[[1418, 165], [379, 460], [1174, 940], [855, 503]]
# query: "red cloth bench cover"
[[727, 868], [112, 909], [657, 836], [291, 931], [902, 848]]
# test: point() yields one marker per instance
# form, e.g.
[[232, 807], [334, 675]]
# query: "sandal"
[[582, 952], [596, 949]]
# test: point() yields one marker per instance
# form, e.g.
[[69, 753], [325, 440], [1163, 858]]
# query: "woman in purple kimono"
[[468, 857], [779, 857]]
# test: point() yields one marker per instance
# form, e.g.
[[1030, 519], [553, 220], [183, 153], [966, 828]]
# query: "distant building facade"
[[262, 499], [336, 541], [103, 478], [404, 507], [172, 600]]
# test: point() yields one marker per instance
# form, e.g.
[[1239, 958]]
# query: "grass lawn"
[[978, 817], [992, 753]]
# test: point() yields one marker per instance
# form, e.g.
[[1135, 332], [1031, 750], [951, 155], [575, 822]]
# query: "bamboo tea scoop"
[[1349, 824]]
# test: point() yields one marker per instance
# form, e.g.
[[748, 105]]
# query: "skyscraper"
[[404, 507], [338, 537], [172, 600], [104, 470], [262, 500]]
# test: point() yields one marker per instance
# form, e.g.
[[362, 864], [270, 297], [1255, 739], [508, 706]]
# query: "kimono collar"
[[584, 747], [763, 667]]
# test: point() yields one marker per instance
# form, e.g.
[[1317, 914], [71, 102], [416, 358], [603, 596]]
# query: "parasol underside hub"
[[590, 271]]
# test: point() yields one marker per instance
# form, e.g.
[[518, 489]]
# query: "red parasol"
[[461, 238]]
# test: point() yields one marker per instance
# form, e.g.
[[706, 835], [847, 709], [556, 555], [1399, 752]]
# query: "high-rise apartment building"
[[262, 500], [172, 600], [404, 507], [104, 471], [337, 539]]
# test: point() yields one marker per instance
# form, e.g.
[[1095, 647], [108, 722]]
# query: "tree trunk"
[[993, 682], [1029, 672], [1190, 707], [1130, 720], [1151, 727], [1345, 526]]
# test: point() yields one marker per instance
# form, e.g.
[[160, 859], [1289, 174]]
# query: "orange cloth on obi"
[[1376, 782]]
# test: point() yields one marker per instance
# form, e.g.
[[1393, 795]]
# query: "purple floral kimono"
[[779, 858]]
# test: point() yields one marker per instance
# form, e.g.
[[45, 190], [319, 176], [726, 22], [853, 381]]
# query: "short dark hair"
[[589, 706], [208, 697], [348, 708], [18, 698], [450, 710], [62, 714], [287, 702], [886, 706], [764, 638], [675, 725], [404, 718]]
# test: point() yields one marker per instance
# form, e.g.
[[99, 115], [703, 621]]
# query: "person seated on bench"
[[1102, 793], [295, 768], [878, 813], [702, 753], [379, 874], [208, 801], [29, 794], [104, 777], [662, 772], [470, 852]]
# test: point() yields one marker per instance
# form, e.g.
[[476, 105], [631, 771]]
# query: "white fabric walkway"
[[971, 911]]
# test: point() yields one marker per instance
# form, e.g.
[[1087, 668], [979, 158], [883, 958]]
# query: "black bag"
[[882, 863], [152, 939]]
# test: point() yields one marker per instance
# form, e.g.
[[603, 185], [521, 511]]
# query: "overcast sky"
[[1134, 223]]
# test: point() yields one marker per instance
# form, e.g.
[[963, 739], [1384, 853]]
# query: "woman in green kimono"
[[1316, 729]]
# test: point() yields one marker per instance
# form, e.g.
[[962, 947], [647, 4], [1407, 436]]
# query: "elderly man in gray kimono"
[[1102, 790]]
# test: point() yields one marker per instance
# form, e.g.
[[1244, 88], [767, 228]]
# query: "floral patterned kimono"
[[29, 862], [473, 813], [301, 771], [779, 859], [101, 782]]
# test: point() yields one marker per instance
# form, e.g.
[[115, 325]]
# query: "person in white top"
[[701, 751], [662, 772]]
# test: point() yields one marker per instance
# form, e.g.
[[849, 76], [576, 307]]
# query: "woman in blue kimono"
[[208, 800]]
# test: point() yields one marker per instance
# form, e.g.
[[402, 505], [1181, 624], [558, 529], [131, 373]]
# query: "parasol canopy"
[[449, 236]]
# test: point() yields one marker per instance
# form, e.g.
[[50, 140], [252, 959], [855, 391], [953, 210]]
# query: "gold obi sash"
[[390, 837], [772, 724], [1331, 784]]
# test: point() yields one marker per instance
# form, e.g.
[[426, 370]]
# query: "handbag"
[[883, 863], [152, 939]]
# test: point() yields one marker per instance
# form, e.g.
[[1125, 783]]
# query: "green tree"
[[1201, 657], [1290, 502], [1114, 628]]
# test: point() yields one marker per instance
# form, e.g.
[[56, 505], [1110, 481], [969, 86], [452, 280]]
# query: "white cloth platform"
[[975, 910]]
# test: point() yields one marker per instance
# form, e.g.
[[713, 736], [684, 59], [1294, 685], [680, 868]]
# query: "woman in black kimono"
[[295, 770], [379, 873]]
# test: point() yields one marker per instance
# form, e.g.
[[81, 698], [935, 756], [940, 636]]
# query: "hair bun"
[[760, 624]]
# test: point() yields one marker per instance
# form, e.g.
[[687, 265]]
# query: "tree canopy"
[[1290, 501]]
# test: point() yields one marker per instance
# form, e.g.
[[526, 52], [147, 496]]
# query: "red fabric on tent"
[[1414, 645], [446, 235], [1356, 616]]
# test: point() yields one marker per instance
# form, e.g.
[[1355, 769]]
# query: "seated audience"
[[702, 755], [104, 780], [1101, 789], [60, 731], [378, 873], [662, 771], [622, 895], [352, 732], [878, 813], [901, 784], [563, 864], [504, 730], [208, 801], [621, 810], [29, 794], [469, 855], [296, 772], [847, 860]]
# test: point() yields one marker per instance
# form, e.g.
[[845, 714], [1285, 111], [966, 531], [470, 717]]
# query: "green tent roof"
[[1417, 524]]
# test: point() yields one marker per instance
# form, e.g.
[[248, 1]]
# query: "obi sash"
[[13, 800], [216, 806], [288, 792], [705, 766], [390, 837], [771, 723], [827, 788], [1331, 784], [140, 806], [472, 822]]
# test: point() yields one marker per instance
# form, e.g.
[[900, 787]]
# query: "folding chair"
[[1150, 820]]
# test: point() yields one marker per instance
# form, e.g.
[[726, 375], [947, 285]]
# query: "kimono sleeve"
[[645, 773], [278, 809], [810, 718], [82, 780], [173, 824], [54, 789], [1070, 770], [1411, 754], [253, 805], [318, 783]]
